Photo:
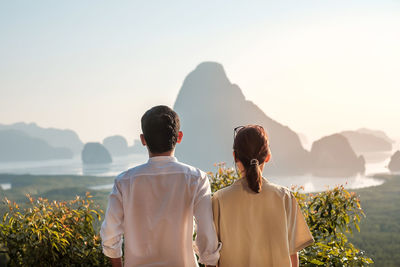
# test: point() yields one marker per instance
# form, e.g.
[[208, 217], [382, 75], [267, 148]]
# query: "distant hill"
[[303, 139], [15, 145], [365, 141], [52, 136], [377, 133], [333, 156], [95, 153], [116, 145], [137, 147], [210, 107], [394, 164]]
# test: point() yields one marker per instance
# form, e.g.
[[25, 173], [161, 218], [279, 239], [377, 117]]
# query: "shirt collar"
[[162, 159], [243, 181]]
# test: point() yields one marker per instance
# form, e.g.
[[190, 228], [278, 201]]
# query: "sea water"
[[375, 163]]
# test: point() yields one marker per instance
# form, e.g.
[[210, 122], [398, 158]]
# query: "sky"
[[95, 67]]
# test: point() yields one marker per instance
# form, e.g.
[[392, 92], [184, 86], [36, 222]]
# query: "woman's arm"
[[295, 260]]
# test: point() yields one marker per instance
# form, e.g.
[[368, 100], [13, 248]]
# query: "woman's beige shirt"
[[258, 229]]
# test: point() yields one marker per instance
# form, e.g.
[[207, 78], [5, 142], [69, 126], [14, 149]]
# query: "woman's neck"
[[242, 170]]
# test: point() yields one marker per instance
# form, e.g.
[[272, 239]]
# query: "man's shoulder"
[[177, 167], [134, 171], [191, 170]]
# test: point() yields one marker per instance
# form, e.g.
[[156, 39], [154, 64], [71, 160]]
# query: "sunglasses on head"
[[238, 128]]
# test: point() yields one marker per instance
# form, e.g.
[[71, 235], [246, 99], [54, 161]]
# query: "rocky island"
[[116, 145], [333, 156], [394, 164], [95, 153], [366, 142]]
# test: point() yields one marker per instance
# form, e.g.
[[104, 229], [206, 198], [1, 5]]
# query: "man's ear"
[[143, 140], [180, 136]]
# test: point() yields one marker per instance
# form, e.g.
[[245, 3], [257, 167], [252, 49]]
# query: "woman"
[[259, 223]]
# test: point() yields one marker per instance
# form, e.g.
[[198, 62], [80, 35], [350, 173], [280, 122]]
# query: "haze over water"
[[376, 163]]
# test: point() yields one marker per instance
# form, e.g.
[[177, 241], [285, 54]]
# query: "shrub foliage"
[[52, 233]]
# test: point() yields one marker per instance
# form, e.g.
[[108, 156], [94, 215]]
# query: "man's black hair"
[[160, 127]]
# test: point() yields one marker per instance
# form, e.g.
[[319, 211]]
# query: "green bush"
[[52, 233], [329, 215]]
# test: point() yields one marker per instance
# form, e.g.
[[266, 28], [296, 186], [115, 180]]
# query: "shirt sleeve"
[[206, 243], [298, 231], [112, 227], [216, 214]]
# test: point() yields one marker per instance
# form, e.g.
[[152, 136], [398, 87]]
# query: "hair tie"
[[254, 162]]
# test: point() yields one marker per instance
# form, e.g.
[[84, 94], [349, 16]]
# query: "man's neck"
[[168, 154]]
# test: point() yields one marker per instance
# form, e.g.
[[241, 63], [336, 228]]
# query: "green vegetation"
[[53, 187], [26, 227], [57, 233], [330, 215], [380, 230]]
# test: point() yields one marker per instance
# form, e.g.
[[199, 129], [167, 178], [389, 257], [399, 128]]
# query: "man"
[[152, 205]]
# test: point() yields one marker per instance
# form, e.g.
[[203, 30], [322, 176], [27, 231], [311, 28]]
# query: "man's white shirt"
[[151, 208]]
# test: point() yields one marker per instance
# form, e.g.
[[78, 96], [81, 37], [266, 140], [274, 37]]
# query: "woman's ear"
[[268, 157], [234, 155]]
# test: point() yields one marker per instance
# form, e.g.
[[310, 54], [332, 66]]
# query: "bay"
[[375, 163]]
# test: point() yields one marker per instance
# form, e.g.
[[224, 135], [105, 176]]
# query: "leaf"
[[317, 262]]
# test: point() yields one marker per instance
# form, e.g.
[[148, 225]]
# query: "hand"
[[295, 260], [116, 262]]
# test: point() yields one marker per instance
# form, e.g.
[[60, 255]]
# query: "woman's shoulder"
[[230, 189], [241, 185], [281, 190]]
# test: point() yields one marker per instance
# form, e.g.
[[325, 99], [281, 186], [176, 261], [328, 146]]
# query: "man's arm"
[[295, 260], [206, 237], [112, 227], [116, 262]]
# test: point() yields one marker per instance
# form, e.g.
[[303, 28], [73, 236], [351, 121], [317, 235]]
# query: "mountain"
[[210, 107], [95, 153], [377, 133], [303, 138], [367, 142], [394, 164], [116, 145], [18, 146], [333, 156], [137, 147], [54, 137]]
